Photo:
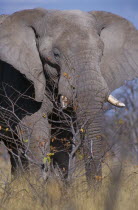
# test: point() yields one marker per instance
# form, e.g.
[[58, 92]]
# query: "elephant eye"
[[56, 53]]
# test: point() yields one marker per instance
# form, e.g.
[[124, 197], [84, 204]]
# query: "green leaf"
[[46, 159], [25, 140]]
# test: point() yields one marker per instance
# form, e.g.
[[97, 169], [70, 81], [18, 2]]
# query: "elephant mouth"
[[112, 100]]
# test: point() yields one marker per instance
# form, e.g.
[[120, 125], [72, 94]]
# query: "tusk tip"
[[115, 102], [120, 104]]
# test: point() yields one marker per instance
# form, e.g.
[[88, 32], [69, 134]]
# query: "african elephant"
[[87, 54]]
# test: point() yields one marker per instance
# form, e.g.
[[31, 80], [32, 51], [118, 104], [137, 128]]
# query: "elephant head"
[[95, 53], [87, 54]]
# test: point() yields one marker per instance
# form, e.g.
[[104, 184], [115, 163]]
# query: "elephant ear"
[[120, 55], [2, 18], [18, 46]]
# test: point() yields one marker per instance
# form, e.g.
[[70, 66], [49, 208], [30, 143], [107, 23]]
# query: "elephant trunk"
[[92, 148], [91, 93]]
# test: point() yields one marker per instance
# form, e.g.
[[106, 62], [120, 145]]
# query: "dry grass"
[[26, 193]]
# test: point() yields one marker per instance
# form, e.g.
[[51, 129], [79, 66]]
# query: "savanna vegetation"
[[117, 192], [119, 188]]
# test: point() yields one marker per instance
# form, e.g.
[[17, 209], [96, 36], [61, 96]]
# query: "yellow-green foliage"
[[27, 193]]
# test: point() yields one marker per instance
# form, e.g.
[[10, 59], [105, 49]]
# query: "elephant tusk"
[[115, 102], [64, 102]]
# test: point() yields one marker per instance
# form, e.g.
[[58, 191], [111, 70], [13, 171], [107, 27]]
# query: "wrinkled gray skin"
[[96, 50], [33, 131], [2, 18]]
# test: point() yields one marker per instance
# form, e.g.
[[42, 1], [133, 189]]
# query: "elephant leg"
[[19, 163], [61, 140], [34, 131], [62, 160]]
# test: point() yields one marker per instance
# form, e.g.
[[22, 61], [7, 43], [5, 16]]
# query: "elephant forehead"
[[66, 26], [71, 18], [79, 17]]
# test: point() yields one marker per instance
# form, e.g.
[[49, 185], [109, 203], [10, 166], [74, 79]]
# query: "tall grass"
[[28, 193]]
